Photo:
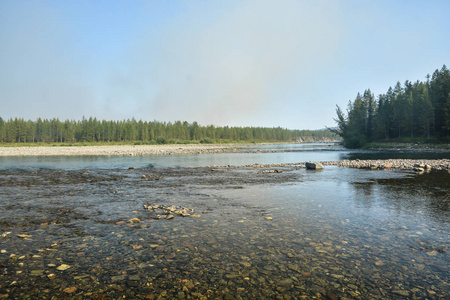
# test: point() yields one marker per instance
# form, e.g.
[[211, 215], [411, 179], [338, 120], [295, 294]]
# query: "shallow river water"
[[339, 233], [262, 154]]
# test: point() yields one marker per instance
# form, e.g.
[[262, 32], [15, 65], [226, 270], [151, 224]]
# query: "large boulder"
[[314, 166]]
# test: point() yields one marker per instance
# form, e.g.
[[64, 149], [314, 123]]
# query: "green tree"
[[194, 131], [439, 90], [2, 130], [369, 103]]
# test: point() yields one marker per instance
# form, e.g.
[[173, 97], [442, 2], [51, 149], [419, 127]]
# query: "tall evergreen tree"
[[439, 90], [421, 109]]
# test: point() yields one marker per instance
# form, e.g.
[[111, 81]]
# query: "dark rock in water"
[[270, 171], [228, 297], [313, 166], [132, 283]]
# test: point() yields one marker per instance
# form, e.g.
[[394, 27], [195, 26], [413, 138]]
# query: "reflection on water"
[[328, 234], [427, 194]]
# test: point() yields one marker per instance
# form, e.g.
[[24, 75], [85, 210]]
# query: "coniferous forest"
[[92, 130], [418, 111]]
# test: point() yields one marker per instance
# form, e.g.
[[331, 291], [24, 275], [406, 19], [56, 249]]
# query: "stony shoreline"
[[418, 165], [118, 150]]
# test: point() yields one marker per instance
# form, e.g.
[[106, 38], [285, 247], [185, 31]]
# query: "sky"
[[266, 63]]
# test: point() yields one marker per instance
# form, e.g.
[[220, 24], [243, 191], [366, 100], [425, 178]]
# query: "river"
[[76, 227], [262, 154]]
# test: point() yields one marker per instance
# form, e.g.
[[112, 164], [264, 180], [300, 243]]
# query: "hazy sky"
[[241, 63]]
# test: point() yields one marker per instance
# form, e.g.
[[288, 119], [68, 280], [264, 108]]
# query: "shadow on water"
[[412, 191], [428, 193], [398, 154]]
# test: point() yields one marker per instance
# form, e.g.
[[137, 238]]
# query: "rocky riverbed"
[[248, 232]]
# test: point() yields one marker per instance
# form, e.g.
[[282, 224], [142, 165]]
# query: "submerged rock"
[[168, 212], [63, 267], [285, 282], [70, 290]]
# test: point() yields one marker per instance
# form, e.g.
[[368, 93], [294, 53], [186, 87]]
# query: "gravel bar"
[[120, 150]]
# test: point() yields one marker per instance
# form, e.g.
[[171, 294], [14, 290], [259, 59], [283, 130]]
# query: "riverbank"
[[122, 150]]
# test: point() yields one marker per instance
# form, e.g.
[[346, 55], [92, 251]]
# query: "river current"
[[76, 227]]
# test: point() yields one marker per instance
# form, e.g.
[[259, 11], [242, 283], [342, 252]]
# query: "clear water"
[[335, 233]]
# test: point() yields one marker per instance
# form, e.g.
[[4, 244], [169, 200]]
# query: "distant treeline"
[[412, 112], [18, 130]]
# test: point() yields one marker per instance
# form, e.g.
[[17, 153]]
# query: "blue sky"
[[240, 63]]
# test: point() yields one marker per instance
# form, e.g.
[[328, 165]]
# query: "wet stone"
[[134, 278], [132, 283], [63, 267], [118, 278], [70, 290], [285, 282], [401, 292], [37, 272]]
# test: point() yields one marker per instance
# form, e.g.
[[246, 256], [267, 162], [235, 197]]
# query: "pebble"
[[134, 278], [63, 267], [70, 290], [23, 236], [37, 272], [285, 282], [5, 234], [401, 292]]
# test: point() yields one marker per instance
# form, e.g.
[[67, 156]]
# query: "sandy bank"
[[117, 150]]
